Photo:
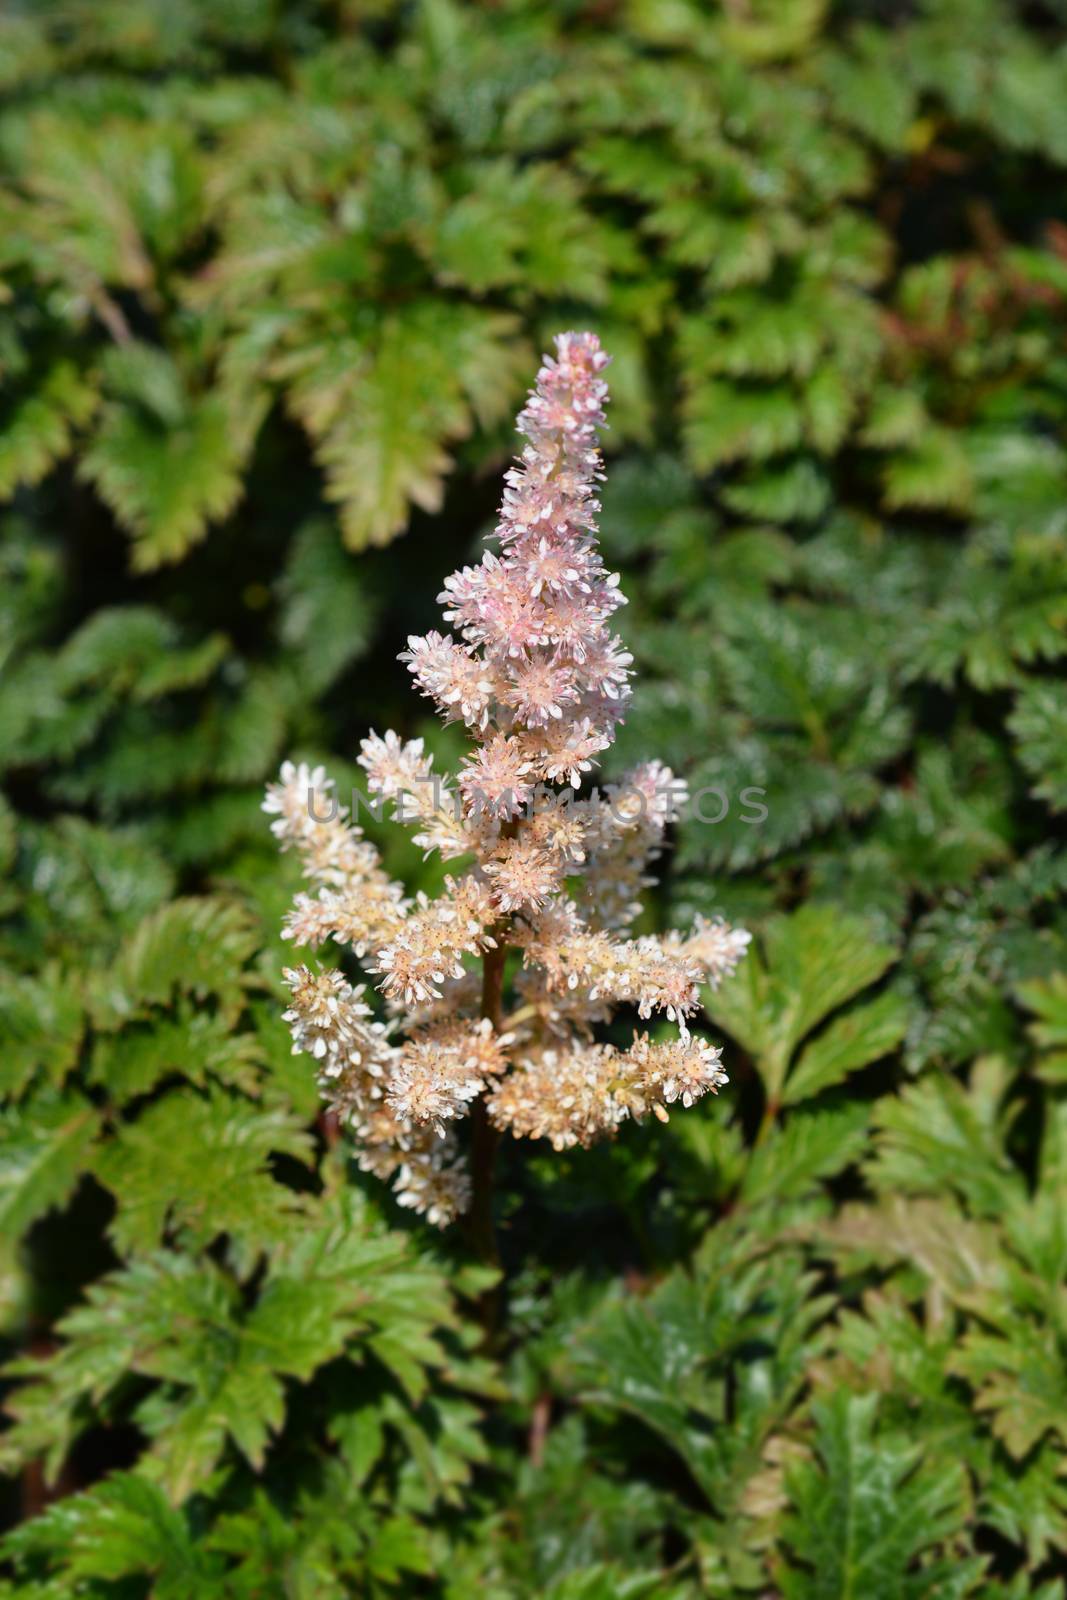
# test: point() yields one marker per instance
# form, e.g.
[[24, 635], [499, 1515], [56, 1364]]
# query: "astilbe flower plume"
[[540, 681]]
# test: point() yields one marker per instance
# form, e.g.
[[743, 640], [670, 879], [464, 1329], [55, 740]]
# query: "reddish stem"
[[484, 1141]]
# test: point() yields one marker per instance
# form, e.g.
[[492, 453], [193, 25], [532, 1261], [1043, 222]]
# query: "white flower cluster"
[[552, 881]]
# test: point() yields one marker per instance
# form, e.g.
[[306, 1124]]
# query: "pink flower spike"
[[490, 995]]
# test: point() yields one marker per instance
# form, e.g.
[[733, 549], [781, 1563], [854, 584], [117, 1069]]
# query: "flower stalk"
[[485, 1136]]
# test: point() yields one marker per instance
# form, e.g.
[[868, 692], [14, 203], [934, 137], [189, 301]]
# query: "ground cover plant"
[[274, 279]]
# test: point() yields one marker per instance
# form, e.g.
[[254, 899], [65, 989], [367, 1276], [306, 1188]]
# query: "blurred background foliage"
[[273, 277]]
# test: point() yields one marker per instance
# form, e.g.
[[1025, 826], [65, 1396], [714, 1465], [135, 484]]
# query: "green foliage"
[[863, 1514], [272, 280], [815, 962], [166, 463]]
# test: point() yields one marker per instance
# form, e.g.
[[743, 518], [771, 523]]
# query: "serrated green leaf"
[[121, 1528], [40, 429], [191, 946], [44, 1145], [865, 1510], [166, 481], [812, 963], [933, 473], [198, 1165], [41, 1025], [1047, 998], [937, 1137], [793, 1159], [852, 1040], [1039, 724]]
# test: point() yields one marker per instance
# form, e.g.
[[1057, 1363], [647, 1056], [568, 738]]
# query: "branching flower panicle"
[[544, 873]]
